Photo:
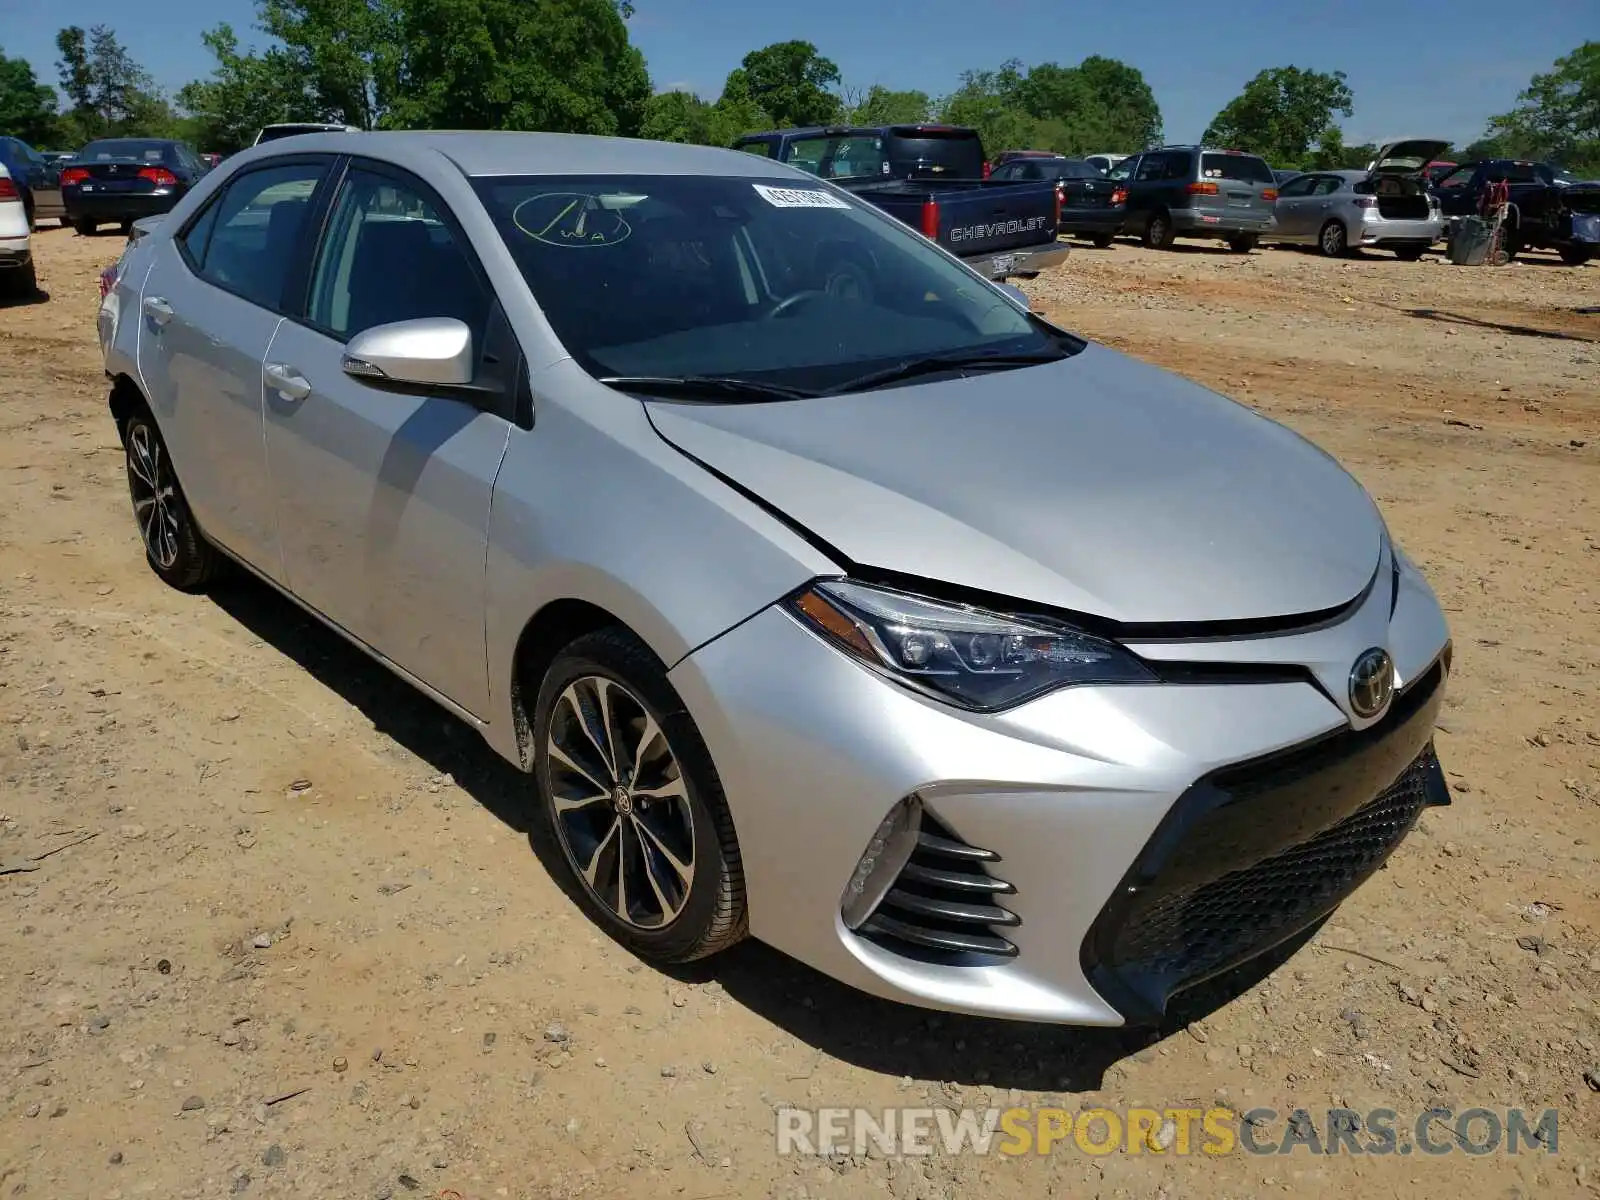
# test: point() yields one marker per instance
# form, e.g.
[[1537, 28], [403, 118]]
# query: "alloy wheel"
[[1333, 239], [620, 802], [155, 503]]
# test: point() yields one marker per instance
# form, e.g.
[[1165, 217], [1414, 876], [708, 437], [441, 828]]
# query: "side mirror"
[[431, 350], [1016, 295]]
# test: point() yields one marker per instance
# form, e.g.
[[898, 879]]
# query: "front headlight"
[[980, 660]]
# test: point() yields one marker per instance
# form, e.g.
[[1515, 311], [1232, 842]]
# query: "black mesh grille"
[[1193, 932], [945, 905], [1255, 853]]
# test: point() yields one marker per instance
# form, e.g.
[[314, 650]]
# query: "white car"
[[17, 279], [1104, 161]]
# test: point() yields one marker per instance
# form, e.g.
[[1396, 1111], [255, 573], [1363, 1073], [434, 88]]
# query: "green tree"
[[245, 92], [110, 93], [991, 103], [1558, 114], [339, 50], [882, 106], [560, 65], [789, 82], [677, 117], [1125, 113], [27, 107], [733, 116], [1282, 113]]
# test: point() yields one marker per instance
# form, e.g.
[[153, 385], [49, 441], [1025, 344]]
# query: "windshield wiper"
[[708, 386], [937, 363]]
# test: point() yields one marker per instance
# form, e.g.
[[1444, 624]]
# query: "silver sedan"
[[1387, 207], [823, 591]]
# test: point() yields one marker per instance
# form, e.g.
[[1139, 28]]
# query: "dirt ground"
[[309, 951]]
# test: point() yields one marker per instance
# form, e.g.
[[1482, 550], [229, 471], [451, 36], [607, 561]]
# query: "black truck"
[[934, 178], [1549, 209]]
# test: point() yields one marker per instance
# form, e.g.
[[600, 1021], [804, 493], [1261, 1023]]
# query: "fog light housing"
[[881, 862]]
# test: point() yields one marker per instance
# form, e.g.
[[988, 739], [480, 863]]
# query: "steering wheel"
[[789, 303]]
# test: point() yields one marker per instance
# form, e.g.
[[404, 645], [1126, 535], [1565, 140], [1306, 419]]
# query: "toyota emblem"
[[1371, 683]]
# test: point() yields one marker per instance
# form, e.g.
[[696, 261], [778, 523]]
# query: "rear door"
[[1245, 184], [383, 494], [210, 305]]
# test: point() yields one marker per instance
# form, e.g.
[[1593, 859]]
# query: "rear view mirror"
[[431, 350]]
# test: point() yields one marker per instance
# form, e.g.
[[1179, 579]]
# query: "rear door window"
[[255, 235], [1239, 168], [1152, 167], [1297, 187]]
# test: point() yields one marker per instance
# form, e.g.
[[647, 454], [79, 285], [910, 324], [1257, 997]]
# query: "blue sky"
[[1415, 66]]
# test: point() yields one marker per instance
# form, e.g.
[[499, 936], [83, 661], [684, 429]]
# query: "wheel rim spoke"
[[631, 845], [597, 740], [592, 869]]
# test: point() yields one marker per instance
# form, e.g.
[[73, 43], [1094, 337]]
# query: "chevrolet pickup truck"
[[934, 178]]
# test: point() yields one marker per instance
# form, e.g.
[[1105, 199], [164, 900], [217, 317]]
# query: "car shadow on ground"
[[837, 1021], [1434, 314]]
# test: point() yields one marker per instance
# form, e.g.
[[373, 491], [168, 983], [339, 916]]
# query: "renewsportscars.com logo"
[[833, 1132]]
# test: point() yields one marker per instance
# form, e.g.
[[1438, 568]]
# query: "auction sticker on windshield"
[[781, 197]]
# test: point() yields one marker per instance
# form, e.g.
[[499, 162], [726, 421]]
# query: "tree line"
[[569, 66]]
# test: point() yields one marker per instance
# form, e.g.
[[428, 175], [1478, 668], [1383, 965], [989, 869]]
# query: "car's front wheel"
[[629, 791], [1242, 243], [1102, 240], [85, 227], [178, 552], [1409, 253]]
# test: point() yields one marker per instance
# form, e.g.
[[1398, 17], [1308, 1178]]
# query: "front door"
[[383, 495], [1293, 208], [210, 306]]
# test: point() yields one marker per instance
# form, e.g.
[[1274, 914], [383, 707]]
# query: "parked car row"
[[115, 181]]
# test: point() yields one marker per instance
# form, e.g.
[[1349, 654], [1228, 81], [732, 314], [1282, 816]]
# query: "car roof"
[[480, 153]]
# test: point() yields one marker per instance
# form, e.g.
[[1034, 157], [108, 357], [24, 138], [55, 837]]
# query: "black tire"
[[1102, 240], [1158, 231], [1409, 253], [1510, 244], [20, 283], [1242, 243], [125, 228], [173, 544], [85, 227], [711, 914], [1332, 240], [1576, 256]]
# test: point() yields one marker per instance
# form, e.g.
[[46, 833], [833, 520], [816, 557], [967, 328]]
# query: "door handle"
[[288, 382], [157, 309]]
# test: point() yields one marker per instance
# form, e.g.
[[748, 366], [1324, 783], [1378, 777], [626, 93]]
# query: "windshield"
[[1241, 168], [789, 284]]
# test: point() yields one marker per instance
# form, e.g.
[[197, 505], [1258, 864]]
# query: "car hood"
[[1098, 484]]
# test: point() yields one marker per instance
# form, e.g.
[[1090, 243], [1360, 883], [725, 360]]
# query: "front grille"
[[1256, 853], [944, 905], [1193, 932]]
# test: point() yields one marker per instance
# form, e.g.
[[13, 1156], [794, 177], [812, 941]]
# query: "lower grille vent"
[[944, 906]]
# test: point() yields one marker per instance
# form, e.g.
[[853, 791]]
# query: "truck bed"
[[1003, 223]]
